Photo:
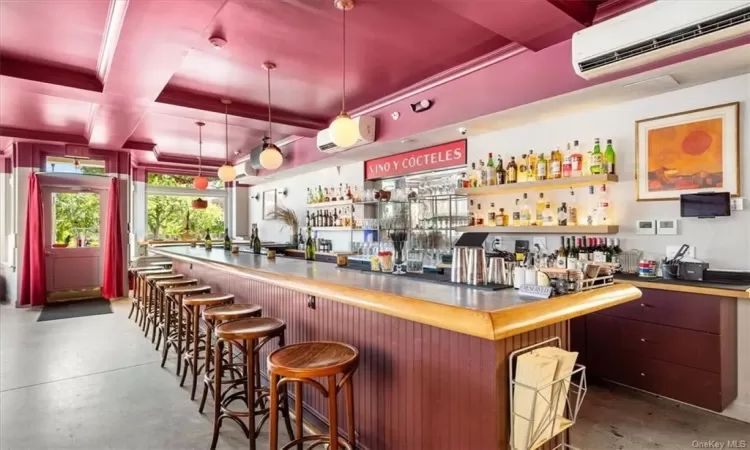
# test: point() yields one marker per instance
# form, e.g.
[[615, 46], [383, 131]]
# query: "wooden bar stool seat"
[[160, 287], [212, 317], [153, 300], [139, 289], [175, 328], [300, 364], [195, 349], [249, 336]]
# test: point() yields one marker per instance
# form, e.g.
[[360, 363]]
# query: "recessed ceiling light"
[[217, 42]]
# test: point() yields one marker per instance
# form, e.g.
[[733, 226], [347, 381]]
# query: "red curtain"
[[33, 289], [112, 287]]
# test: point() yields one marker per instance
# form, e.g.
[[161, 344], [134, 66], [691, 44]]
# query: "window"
[[180, 181], [61, 164], [75, 219], [170, 215]]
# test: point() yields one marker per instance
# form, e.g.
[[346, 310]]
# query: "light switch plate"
[[737, 204], [673, 249], [646, 227], [666, 226]]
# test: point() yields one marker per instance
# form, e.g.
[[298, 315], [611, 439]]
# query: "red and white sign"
[[431, 158]]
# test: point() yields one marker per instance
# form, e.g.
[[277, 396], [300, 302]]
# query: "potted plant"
[[288, 217]]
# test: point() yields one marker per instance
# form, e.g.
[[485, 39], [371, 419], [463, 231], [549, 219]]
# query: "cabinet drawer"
[[682, 383], [677, 309], [690, 348]]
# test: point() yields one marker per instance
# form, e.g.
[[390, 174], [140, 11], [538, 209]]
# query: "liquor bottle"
[[207, 240], [500, 175], [562, 215], [307, 218], [511, 174], [349, 195], [609, 158], [227, 240], [326, 196], [474, 179], [516, 215], [491, 178], [549, 215], [482, 174], [591, 204], [491, 219], [572, 209], [583, 251], [309, 247], [616, 251], [502, 218], [602, 209], [532, 171], [464, 181], [309, 196], [576, 161], [541, 168], [321, 196], [479, 217], [562, 255], [556, 164], [523, 170], [572, 262], [256, 242], [336, 218], [340, 192], [525, 211], [540, 205], [472, 216], [595, 164], [568, 251], [567, 163]]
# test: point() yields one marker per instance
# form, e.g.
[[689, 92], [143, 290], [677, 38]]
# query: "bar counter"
[[434, 358]]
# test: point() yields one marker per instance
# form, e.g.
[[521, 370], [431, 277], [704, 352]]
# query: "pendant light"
[[200, 182], [227, 172], [343, 129], [271, 157]]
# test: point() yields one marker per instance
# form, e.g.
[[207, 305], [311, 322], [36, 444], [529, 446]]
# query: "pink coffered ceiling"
[[162, 74]]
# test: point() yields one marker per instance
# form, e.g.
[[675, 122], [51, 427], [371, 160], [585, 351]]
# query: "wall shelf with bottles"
[[330, 204], [340, 229], [528, 186], [572, 229]]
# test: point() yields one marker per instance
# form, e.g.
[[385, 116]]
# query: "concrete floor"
[[95, 383]]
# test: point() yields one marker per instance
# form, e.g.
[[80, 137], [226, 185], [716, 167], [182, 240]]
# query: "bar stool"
[[174, 337], [194, 305], [162, 264], [139, 290], [161, 287], [249, 335], [300, 363], [153, 300], [212, 317]]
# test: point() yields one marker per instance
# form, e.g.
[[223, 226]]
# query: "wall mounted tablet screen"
[[710, 204]]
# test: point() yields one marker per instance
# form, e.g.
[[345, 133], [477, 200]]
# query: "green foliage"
[[167, 213], [185, 181], [74, 212]]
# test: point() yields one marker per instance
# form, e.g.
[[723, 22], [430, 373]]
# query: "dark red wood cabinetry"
[[676, 344]]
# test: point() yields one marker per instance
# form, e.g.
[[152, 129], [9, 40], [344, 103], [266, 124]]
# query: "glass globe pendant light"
[[227, 172], [343, 129], [270, 157], [200, 182]]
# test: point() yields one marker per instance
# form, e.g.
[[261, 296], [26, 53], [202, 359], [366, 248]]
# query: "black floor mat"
[[80, 308]]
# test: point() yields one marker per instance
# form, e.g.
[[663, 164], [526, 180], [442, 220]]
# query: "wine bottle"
[[583, 251], [609, 158], [256, 241], [572, 254], [562, 255], [227, 240], [309, 248], [208, 240]]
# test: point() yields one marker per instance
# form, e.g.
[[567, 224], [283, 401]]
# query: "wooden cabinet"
[[679, 345]]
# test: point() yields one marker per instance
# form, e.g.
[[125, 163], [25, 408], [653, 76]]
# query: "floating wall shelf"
[[558, 183], [575, 229]]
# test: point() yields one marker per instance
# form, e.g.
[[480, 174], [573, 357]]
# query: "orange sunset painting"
[[686, 156]]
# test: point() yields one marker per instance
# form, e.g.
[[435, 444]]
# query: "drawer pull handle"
[[643, 339], [643, 374]]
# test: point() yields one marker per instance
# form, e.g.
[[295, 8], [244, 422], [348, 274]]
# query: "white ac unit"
[[657, 31], [366, 125], [245, 170]]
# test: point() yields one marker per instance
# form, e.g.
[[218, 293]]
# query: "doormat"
[[81, 308]]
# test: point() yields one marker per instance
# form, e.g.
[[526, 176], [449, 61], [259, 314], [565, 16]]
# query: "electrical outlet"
[[673, 249], [737, 204], [542, 242]]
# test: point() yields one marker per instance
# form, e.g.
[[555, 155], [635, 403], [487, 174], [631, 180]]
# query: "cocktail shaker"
[[477, 273], [459, 269]]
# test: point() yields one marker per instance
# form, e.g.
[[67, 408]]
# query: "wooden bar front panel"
[[418, 387]]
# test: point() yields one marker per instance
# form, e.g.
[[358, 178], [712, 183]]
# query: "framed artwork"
[[688, 152], [269, 202]]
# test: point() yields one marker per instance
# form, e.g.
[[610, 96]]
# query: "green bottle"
[[256, 240], [208, 240], [309, 248], [609, 158], [227, 240], [596, 162]]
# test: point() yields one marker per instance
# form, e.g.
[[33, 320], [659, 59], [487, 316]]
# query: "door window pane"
[[75, 219], [170, 215]]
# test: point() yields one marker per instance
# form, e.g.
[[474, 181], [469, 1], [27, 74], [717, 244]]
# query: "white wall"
[[723, 242], [353, 174]]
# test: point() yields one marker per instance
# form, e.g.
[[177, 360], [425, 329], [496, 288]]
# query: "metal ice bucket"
[[459, 269], [496, 274], [477, 273]]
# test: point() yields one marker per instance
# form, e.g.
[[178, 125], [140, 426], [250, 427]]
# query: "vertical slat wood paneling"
[[417, 387]]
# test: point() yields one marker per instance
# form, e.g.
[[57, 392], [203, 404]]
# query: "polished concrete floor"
[[95, 383]]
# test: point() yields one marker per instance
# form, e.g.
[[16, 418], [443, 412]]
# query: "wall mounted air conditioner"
[[657, 31], [366, 126], [245, 170]]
